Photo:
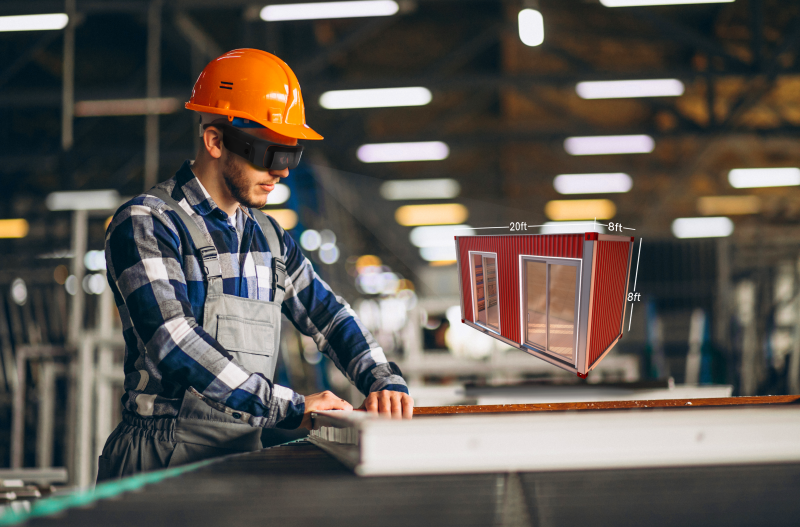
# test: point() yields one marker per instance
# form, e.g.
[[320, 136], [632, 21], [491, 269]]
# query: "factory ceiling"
[[503, 108]]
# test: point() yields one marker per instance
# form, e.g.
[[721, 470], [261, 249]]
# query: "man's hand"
[[322, 401], [397, 405]]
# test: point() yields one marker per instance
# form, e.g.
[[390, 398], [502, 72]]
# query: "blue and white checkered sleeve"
[[336, 329], [143, 252]]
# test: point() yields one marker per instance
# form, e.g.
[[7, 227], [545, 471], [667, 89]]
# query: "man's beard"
[[238, 185]]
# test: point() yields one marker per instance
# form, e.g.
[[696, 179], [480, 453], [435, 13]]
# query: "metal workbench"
[[299, 484]]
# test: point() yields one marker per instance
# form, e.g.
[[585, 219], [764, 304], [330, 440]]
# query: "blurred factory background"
[[676, 122]]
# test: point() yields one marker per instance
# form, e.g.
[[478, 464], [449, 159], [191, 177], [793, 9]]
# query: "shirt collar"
[[196, 194]]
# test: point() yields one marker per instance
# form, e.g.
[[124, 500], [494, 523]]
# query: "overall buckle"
[[278, 269], [210, 262]]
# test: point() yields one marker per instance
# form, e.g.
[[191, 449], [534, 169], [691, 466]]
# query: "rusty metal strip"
[[608, 405]]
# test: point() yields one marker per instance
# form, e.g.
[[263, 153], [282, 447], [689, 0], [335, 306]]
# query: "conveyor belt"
[[299, 485]]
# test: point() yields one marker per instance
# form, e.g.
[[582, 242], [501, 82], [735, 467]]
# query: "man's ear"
[[212, 141]]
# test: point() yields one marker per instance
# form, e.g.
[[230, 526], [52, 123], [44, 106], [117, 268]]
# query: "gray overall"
[[249, 330]]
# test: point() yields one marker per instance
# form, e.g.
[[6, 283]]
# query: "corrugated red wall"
[[611, 274], [508, 249]]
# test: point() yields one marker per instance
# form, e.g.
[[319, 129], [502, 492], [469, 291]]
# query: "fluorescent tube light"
[[398, 152], [629, 89], [728, 205], [609, 144], [764, 177], [438, 254], [320, 10], [112, 107], [377, 98], [571, 227], [407, 189], [45, 22], [14, 228], [438, 236], [83, 200], [714, 227], [444, 214], [592, 183], [580, 209], [638, 3], [286, 218], [531, 27], [280, 194]]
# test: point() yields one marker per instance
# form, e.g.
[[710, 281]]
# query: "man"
[[201, 277]]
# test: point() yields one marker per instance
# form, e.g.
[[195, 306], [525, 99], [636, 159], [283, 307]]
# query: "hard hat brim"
[[296, 131]]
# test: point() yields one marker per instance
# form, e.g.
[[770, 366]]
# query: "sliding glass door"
[[536, 294], [485, 293], [551, 306]]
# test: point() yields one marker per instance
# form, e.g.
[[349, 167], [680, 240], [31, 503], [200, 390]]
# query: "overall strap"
[[208, 253], [278, 266]]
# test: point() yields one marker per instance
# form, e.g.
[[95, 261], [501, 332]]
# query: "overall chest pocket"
[[251, 342]]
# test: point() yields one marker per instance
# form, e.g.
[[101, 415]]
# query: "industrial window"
[[551, 306], [484, 291]]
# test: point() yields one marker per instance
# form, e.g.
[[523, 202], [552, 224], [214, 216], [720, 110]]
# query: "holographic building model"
[[559, 297]]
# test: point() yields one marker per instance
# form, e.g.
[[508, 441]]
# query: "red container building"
[[560, 297]]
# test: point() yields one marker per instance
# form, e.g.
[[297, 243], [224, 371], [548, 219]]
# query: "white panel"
[[562, 441]]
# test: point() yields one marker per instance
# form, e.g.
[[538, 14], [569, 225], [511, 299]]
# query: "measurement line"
[[631, 319], [476, 228], [629, 228], [637, 265], [550, 225]]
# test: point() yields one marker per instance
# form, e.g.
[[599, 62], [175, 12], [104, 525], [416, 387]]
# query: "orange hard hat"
[[254, 85]]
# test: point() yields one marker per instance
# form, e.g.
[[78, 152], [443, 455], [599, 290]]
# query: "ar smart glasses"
[[260, 152]]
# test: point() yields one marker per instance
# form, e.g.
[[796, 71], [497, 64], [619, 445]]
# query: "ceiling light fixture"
[[714, 227], [764, 177], [639, 3], [14, 228], [609, 144], [728, 205], [439, 235], [322, 10], [571, 227], [375, 98], [443, 214], [399, 152], [113, 107], [83, 200], [438, 254], [580, 209], [617, 182], [629, 89], [408, 189], [44, 22], [531, 27]]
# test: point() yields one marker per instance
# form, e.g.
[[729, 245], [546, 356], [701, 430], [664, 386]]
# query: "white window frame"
[[474, 293]]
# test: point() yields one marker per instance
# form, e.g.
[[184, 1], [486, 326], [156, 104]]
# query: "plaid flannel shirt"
[[159, 290]]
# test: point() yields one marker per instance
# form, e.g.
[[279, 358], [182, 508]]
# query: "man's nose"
[[280, 173]]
